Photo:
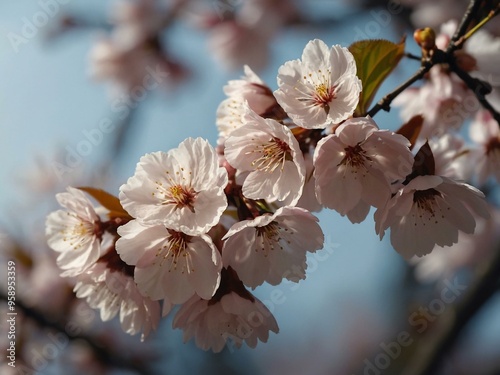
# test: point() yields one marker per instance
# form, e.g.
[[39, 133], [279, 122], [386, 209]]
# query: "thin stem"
[[469, 14], [386, 101], [411, 56], [427, 359], [483, 22], [479, 88]]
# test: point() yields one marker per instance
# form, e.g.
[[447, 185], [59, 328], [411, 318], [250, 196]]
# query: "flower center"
[[78, 234], [271, 231], [323, 95], [426, 199], [270, 237], [272, 154], [175, 249], [178, 195], [354, 157]]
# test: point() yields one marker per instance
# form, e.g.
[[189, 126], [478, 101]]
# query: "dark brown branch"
[[469, 15], [479, 88], [385, 102]]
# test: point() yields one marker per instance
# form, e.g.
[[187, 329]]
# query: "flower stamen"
[[273, 154]]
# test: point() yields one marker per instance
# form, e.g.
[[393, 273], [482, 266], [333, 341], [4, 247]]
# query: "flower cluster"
[[196, 226], [86, 246]]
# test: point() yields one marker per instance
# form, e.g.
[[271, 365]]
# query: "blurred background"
[[60, 81]]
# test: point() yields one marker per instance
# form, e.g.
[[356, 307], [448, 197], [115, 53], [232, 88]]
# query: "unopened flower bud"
[[425, 38]]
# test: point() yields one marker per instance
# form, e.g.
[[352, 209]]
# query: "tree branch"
[[386, 101], [427, 358], [102, 353], [479, 88], [469, 15]]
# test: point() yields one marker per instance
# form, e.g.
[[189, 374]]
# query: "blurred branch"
[[427, 359], [102, 353], [480, 89], [469, 15]]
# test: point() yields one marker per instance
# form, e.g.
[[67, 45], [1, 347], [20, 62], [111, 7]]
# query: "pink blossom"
[[272, 156], [232, 316], [430, 210], [182, 189], [443, 100], [170, 264], [74, 232], [355, 166], [248, 92], [113, 291], [485, 132], [272, 247], [322, 88], [469, 251]]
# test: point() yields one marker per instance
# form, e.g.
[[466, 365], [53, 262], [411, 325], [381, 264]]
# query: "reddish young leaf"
[[108, 201], [424, 161], [411, 129]]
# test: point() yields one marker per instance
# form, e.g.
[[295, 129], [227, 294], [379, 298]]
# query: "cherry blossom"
[[170, 264], [469, 251], [107, 286], [241, 34], [355, 166], [270, 152], [182, 189], [272, 247], [74, 232], [443, 100], [136, 21], [232, 316], [322, 88], [430, 210], [248, 92], [484, 131], [253, 90]]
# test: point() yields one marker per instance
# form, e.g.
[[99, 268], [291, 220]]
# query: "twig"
[[411, 56], [484, 21], [464, 24], [386, 101], [480, 89], [427, 359]]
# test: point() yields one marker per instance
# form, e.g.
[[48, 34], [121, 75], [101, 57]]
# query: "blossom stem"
[[427, 358], [411, 56], [469, 15], [458, 44], [386, 101]]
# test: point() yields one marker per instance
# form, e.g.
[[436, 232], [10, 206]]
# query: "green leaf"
[[108, 201], [375, 60]]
